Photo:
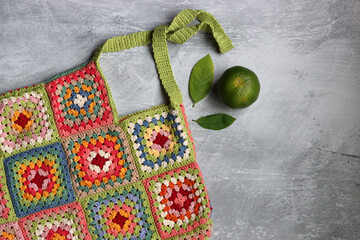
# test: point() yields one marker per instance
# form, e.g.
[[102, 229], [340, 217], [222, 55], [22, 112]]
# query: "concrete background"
[[289, 167]]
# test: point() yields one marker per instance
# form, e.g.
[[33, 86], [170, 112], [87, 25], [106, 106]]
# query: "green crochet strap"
[[121, 43], [179, 32]]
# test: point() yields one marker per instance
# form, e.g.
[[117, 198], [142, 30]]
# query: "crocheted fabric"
[[70, 168], [99, 159], [38, 179], [65, 222], [80, 101], [10, 231], [6, 209], [202, 232], [159, 141], [26, 120], [179, 200], [122, 213]]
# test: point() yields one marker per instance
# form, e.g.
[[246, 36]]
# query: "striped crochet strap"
[[179, 32]]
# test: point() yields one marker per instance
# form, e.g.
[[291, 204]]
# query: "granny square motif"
[[160, 141], [10, 231], [38, 179], [72, 169], [80, 101], [65, 222], [120, 213], [26, 120], [99, 159], [179, 200]]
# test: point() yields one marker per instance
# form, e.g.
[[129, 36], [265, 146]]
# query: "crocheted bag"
[[72, 169]]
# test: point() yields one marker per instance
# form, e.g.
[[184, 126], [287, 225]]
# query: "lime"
[[238, 87]]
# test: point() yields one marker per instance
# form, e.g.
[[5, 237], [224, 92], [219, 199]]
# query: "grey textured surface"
[[289, 167]]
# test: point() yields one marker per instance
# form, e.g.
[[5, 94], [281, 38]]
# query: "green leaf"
[[216, 121], [201, 79]]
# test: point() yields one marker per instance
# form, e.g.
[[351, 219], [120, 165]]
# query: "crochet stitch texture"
[[71, 168]]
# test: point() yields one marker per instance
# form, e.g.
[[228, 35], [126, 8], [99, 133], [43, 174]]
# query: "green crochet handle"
[[177, 32]]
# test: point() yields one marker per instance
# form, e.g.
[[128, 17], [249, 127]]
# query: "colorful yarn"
[[80, 101], [38, 179], [99, 159], [26, 120], [11, 231], [135, 177], [203, 232], [6, 209], [62, 223], [120, 213], [188, 127], [179, 200], [159, 141]]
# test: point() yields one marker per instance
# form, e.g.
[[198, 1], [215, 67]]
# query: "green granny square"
[[26, 120]]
